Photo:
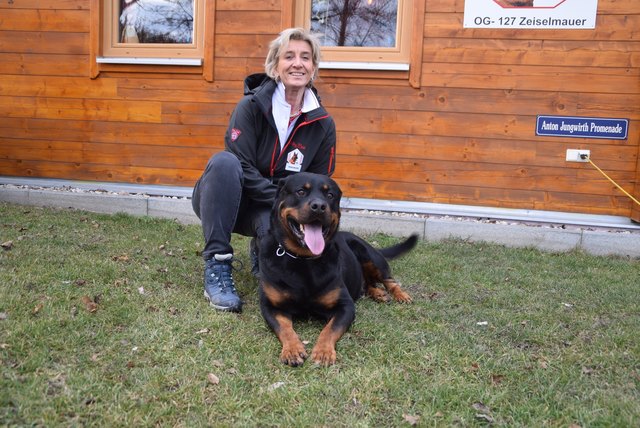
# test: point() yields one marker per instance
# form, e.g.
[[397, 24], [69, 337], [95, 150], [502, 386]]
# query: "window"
[[138, 35], [153, 32], [359, 34]]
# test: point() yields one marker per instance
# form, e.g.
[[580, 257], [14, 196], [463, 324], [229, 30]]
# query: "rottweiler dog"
[[310, 269]]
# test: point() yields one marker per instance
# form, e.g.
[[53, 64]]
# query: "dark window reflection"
[[156, 21], [362, 23]]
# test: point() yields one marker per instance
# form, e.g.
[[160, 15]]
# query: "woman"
[[278, 128]]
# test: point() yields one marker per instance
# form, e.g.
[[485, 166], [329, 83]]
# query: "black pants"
[[219, 203]]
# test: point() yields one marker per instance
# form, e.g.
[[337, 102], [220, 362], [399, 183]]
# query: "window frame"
[[196, 58], [408, 67], [353, 57], [112, 48]]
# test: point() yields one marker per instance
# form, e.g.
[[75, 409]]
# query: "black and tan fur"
[[320, 279]]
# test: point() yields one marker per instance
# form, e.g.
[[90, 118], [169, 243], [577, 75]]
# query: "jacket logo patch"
[[235, 133], [294, 161]]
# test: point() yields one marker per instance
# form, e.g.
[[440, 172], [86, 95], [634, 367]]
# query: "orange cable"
[[614, 183]]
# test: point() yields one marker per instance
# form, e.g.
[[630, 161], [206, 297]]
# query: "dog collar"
[[280, 251]]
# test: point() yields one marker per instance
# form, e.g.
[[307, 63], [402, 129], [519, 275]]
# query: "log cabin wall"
[[461, 131]]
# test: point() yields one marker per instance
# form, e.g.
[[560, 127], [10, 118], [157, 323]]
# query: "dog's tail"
[[403, 247]]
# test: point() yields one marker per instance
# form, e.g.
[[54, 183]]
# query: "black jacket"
[[252, 136]]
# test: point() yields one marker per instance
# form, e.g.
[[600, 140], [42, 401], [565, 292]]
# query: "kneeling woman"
[[278, 128]]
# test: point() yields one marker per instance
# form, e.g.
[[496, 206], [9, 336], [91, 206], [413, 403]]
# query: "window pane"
[[361, 23], [156, 21]]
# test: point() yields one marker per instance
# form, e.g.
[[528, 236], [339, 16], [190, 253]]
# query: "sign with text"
[[582, 127], [531, 14]]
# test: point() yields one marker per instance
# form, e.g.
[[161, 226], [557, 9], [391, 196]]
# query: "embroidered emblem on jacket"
[[294, 160], [235, 133]]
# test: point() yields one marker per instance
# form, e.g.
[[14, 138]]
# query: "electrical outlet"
[[574, 155]]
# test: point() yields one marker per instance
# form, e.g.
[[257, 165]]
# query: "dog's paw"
[[401, 296], [323, 355], [378, 294], [293, 355]]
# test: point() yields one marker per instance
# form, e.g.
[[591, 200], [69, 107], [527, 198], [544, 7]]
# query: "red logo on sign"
[[534, 4], [235, 133]]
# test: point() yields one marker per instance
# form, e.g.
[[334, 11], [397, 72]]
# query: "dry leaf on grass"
[[479, 406], [7, 245], [411, 419], [485, 418], [89, 304], [36, 310], [484, 412], [587, 370], [213, 379], [543, 363], [496, 379]]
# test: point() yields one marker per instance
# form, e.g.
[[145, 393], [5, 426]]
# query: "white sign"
[[531, 14]]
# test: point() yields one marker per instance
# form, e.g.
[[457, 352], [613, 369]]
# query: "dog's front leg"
[[293, 351], [324, 352]]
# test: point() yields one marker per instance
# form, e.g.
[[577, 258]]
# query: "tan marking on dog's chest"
[[275, 296], [330, 299]]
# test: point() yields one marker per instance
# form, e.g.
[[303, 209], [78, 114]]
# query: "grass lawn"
[[103, 323]]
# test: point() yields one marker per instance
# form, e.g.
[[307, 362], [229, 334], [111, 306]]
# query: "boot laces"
[[222, 273]]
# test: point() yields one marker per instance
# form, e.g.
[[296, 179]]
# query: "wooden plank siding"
[[461, 131]]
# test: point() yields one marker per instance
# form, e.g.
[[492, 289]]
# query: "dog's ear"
[[336, 189], [281, 184]]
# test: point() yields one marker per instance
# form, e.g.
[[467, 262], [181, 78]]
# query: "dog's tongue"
[[313, 238]]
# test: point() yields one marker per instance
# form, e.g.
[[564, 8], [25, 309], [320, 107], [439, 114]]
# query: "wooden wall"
[[465, 136]]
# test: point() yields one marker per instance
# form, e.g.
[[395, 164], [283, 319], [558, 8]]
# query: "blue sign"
[[582, 127]]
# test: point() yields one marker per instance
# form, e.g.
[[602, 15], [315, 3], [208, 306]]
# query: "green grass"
[[560, 346]]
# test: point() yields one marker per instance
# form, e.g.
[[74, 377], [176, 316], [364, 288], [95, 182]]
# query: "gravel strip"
[[392, 214]]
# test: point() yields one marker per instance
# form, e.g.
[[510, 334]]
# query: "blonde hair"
[[280, 43]]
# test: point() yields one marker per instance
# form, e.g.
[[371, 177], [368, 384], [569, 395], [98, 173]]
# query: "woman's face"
[[295, 66]]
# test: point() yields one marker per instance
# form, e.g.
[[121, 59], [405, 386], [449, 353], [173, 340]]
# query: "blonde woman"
[[278, 128]]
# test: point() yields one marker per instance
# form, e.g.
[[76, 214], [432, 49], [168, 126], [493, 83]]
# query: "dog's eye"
[[329, 195], [301, 192]]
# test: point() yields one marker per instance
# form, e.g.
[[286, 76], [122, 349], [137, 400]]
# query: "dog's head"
[[306, 213]]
